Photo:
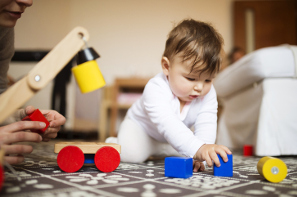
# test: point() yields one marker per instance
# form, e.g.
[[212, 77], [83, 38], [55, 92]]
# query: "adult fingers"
[[50, 133], [55, 118], [17, 149], [51, 130], [46, 139], [21, 137], [29, 110], [14, 159], [22, 125], [22, 113]]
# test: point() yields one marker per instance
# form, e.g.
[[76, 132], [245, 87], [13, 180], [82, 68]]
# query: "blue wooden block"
[[226, 168], [178, 167]]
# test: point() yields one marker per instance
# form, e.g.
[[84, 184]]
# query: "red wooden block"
[[37, 116], [247, 150], [70, 159], [107, 159]]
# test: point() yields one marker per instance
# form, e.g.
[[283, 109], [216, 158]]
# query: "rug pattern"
[[41, 176]]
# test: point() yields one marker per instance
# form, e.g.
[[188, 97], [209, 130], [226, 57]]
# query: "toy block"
[[226, 168], [247, 150], [37, 116], [86, 147], [178, 167]]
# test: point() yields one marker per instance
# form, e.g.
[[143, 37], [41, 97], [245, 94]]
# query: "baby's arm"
[[208, 153]]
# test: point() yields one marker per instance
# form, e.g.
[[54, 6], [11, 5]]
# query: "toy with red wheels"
[[73, 155]]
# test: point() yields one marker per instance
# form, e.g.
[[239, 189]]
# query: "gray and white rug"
[[41, 176]]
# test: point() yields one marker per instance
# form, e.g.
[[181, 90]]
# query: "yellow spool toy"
[[272, 169], [88, 76]]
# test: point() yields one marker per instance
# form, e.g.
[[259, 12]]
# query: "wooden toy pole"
[[45, 71]]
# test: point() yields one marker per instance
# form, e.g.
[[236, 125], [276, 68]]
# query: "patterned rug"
[[41, 176]]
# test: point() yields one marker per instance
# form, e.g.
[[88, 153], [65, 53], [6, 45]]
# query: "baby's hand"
[[198, 166], [208, 153]]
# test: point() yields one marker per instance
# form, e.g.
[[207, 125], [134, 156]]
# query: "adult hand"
[[16, 132], [55, 119]]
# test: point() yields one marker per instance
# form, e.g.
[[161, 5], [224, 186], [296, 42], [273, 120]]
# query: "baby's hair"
[[198, 41]]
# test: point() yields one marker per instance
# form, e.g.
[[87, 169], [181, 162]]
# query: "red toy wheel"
[[1, 177], [107, 159], [70, 159]]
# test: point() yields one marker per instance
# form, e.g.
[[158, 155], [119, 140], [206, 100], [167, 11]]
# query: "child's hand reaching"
[[198, 166], [208, 153]]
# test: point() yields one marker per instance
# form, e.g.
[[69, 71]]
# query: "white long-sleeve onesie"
[[157, 112]]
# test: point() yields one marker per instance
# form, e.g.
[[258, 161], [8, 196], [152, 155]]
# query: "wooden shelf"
[[124, 85]]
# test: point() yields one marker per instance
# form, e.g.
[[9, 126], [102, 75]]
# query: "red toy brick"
[[37, 116], [107, 159], [247, 150], [70, 159]]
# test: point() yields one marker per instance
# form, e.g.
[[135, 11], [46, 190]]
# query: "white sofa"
[[259, 98]]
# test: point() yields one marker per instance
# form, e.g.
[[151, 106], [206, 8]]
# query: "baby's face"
[[11, 11], [187, 85]]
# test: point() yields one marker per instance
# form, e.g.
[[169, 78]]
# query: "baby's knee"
[[133, 153]]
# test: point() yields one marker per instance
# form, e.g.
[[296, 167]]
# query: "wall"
[[129, 35]]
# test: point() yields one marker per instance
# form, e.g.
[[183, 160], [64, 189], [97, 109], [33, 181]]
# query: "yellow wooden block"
[[86, 147], [272, 169]]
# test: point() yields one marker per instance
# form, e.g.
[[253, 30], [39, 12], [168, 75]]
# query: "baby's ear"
[[165, 65]]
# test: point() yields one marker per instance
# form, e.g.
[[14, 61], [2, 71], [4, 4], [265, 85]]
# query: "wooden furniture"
[[123, 85], [259, 23], [104, 112]]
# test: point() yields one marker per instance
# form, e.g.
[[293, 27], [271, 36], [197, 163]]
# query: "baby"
[[179, 98]]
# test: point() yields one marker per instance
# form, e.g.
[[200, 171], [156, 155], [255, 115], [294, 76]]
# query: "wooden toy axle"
[[86, 147]]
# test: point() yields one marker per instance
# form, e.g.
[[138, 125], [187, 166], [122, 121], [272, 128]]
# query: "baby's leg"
[[136, 145], [164, 149]]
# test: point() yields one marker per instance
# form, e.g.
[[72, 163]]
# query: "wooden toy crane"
[[88, 77], [46, 70]]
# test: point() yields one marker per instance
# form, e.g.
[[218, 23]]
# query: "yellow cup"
[[88, 76]]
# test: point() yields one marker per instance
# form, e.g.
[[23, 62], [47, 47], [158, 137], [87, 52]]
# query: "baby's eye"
[[208, 80], [190, 79]]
